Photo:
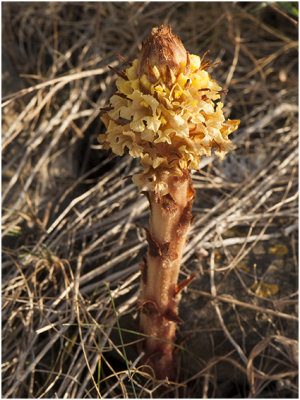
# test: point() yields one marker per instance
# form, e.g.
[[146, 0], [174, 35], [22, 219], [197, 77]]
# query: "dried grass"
[[72, 240]]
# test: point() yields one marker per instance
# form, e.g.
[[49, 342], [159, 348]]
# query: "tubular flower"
[[166, 112]]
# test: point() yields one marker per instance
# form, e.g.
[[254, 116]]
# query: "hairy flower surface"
[[166, 112]]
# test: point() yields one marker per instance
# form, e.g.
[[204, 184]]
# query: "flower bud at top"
[[163, 56]]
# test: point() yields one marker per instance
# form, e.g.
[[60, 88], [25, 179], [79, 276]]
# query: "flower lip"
[[165, 51]]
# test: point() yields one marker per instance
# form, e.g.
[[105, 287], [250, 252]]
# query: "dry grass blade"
[[71, 221]]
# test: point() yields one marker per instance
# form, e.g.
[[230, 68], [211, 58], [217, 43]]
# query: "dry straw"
[[70, 243]]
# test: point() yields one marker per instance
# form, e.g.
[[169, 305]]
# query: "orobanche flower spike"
[[165, 112]]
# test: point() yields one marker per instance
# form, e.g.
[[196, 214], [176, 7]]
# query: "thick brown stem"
[[169, 223]]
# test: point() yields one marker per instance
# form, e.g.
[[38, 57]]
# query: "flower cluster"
[[168, 115]]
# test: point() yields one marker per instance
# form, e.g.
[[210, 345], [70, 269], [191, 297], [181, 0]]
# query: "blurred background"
[[71, 236]]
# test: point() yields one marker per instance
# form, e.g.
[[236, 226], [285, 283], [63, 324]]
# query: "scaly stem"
[[165, 113], [169, 223]]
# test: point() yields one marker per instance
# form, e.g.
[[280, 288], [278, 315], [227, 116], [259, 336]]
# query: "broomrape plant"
[[165, 112]]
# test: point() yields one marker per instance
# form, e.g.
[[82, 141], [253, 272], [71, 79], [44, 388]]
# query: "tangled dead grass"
[[71, 237]]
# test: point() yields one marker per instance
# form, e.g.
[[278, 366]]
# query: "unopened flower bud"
[[163, 56]]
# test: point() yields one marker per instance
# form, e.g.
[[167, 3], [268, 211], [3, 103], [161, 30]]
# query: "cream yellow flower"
[[166, 113]]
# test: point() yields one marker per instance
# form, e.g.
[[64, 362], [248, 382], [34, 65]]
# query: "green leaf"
[[289, 8], [258, 7]]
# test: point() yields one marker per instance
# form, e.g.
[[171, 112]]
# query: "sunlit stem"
[[169, 223]]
